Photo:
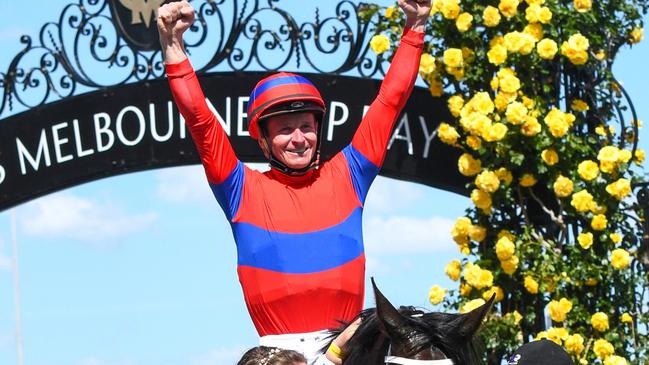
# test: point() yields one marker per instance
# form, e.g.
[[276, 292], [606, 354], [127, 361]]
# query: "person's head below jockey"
[[285, 113], [263, 355]]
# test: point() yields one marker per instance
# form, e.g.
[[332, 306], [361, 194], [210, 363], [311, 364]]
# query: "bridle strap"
[[405, 361]]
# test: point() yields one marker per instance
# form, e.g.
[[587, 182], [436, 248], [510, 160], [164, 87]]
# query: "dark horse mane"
[[413, 331]]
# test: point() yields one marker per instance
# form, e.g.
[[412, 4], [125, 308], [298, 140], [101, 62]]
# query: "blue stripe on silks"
[[276, 82], [300, 253], [363, 171], [228, 193]]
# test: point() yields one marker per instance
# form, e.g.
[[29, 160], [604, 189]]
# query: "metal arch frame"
[[52, 68]]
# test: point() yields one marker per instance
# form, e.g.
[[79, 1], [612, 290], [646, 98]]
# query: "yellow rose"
[[471, 305], [463, 22], [475, 123], [510, 266], [510, 84], [436, 294], [545, 16], [626, 318], [505, 248], [519, 42], [582, 5], [636, 36], [585, 240], [504, 175], [468, 165], [491, 291], [481, 200], [450, 9], [609, 154], [497, 55], [607, 167], [547, 49], [565, 304], [495, 132], [508, 8], [588, 170], [639, 156], [465, 289], [599, 222], [550, 156], [481, 102], [582, 201], [599, 321], [579, 105], [574, 344], [392, 13], [578, 42], [453, 270], [533, 13], [487, 181], [453, 57], [531, 285], [563, 186], [615, 360], [534, 30], [477, 277], [490, 16], [615, 237], [620, 259], [531, 127], [579, 58], [516, 112], [557, 122], [447, 134], [556, 311], [477, 233], [557, 334], [457, 72], [460, 229], [625, 156], [603, 348], [436, 88], [380, 43], [527, 180], [455, 104], [474, 142], [426, 64], [619, 189]]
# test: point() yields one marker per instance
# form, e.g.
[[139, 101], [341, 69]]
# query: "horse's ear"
[[392, 322], [471, 321]]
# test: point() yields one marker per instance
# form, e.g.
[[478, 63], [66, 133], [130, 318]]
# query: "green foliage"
[[549, 137]]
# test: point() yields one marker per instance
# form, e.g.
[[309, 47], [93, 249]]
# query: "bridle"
[[406, 361], [389, 359]]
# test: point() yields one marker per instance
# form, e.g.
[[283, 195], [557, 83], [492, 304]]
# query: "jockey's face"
[[293, 138]]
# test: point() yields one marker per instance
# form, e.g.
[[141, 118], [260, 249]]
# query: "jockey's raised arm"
[[298, 227]]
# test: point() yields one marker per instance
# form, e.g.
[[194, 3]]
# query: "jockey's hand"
[[417, 13], [173, 20]]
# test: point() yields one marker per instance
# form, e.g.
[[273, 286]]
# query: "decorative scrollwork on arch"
[[87, 48]]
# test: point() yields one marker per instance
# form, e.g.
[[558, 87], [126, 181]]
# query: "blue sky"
[[140, 269]]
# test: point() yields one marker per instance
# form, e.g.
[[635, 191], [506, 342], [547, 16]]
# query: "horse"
[[409, 336]]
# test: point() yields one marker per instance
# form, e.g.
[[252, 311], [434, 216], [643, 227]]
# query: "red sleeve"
[[372, 136], [211, 141]]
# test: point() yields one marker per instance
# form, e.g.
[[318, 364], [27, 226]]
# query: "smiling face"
[[292, 138]]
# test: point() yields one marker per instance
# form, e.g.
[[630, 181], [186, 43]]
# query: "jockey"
[[298, 230]]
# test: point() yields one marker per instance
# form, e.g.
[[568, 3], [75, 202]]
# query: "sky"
[[140, 269]]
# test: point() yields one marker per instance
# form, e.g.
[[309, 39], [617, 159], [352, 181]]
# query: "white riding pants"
[[308, 344]]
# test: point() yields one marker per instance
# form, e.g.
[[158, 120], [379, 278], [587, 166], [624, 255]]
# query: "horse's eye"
[[436, 353]]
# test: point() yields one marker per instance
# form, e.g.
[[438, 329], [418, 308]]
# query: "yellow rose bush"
[[548, 142]]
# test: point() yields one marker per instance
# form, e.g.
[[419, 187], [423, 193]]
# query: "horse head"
[[409, 336]]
